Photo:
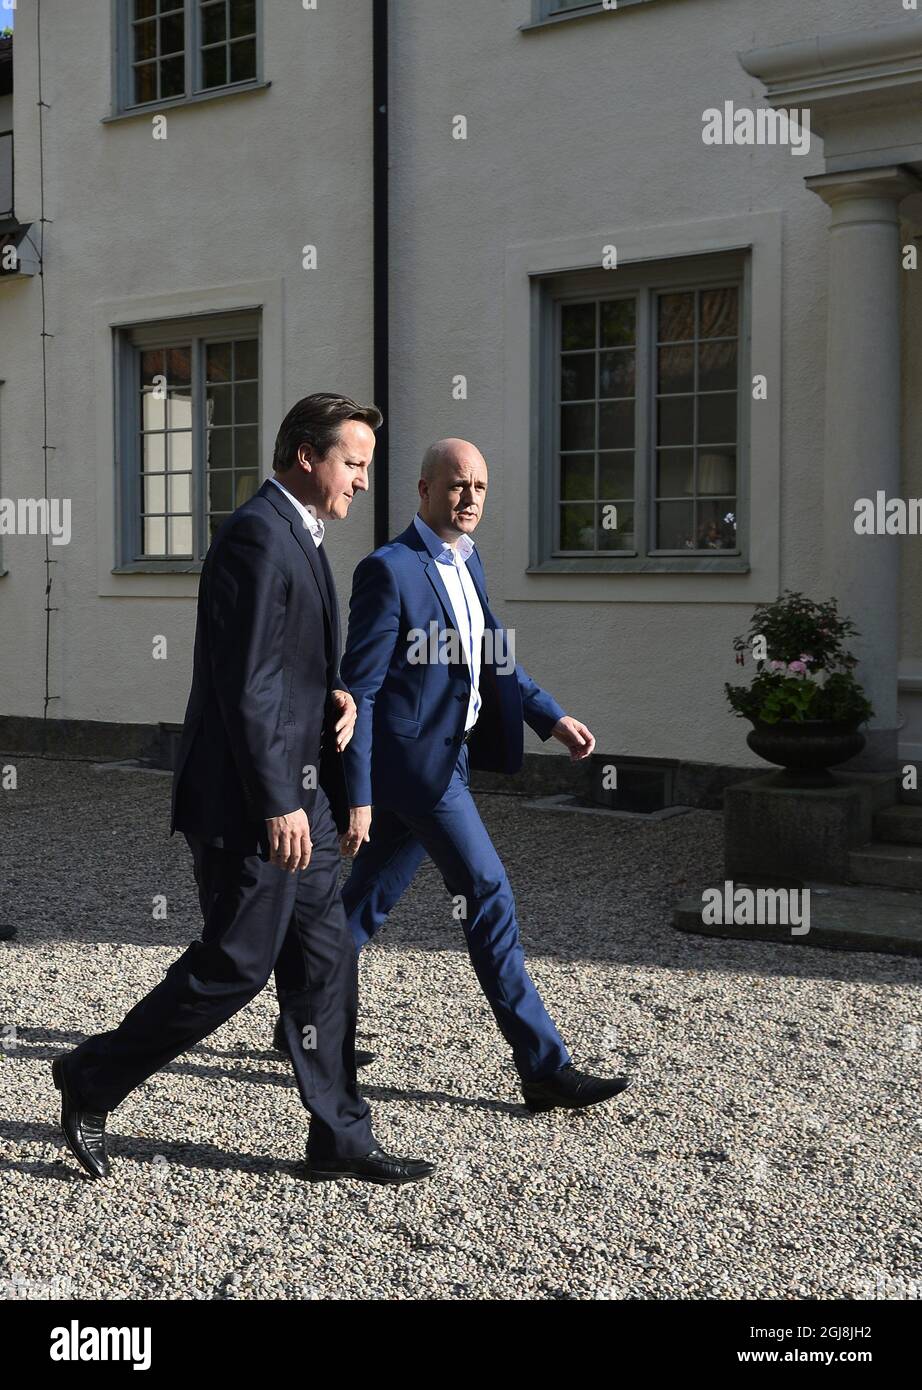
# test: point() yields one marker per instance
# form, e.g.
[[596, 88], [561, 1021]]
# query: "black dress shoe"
[[7, 933], [571, 1089], [280, 1043], [84, 1130], [376, 1166]]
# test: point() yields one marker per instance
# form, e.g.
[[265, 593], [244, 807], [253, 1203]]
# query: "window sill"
[[152, 108], [656, 565], [142, 567], [588, 12]]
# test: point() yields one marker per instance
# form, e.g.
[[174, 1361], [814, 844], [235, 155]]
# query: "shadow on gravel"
[[150, 1152], [48, 1044], [588, 889]]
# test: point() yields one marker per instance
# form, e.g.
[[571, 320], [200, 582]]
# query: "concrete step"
[[899, 825], [883, 787], [890, 866], [904, 795], [843, 917]]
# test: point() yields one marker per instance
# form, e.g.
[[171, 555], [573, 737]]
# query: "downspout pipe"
[[380, 74]]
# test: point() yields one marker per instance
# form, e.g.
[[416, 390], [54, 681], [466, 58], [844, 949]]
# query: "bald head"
[[452, 488], [447, 453]]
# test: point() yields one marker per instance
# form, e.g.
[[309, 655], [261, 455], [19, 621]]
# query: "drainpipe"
[[381, 263]]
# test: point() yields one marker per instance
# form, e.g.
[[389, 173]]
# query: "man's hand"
[[575, 736], [359, 821], [290, 841], [346, 721]]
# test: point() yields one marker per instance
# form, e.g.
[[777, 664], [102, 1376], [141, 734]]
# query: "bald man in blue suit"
[[437, 691]]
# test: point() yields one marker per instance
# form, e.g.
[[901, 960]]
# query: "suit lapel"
[[435, 579], [285, 509], [475, 570], [331, 594], [433, 574]]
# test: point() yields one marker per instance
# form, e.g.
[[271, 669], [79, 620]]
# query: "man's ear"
[[306, 456]]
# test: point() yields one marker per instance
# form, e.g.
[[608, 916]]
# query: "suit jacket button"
[[448, 740]]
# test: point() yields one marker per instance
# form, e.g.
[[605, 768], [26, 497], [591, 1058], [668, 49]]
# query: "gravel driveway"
[[768, 1148]]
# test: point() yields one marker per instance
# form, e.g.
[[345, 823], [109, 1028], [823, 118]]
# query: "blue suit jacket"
[[411, 715], [265, 664]]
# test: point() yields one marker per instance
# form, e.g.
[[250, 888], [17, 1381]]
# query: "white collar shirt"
[[465, 605], [312, 523]]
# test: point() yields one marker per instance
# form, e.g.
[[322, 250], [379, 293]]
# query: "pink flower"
[[778, 666], [806, 658], [797, 667]]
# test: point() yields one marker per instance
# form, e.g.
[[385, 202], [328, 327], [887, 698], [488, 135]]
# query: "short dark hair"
[[315, 420]]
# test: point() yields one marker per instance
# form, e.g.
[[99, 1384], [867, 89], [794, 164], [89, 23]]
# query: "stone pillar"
[[862, 432]]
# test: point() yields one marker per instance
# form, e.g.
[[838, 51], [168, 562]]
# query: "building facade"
[[683, 328]]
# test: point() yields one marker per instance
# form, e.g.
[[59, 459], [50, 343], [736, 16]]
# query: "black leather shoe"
[[84, 1130], [7, 933], [376, 1166], [280, 1043], [571, 1089]]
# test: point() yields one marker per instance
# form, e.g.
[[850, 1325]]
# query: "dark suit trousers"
[[257, 917]]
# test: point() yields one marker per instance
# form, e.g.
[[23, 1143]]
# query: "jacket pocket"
[[404, 728]]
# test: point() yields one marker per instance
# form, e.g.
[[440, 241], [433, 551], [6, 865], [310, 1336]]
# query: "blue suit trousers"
[[455, 838]]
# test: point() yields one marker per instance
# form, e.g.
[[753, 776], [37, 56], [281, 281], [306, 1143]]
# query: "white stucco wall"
[[586, 126], [582, 127], [233, 194]]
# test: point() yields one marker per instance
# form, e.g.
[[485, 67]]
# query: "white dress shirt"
[[465, 605], [313, 523]]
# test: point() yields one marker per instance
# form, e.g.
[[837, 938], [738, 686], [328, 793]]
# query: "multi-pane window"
[[597, 391], [179, 47], [165, 448], [189, 403], [642, 436], [228, 42], [697, 370], [158, 48], [231, 426]]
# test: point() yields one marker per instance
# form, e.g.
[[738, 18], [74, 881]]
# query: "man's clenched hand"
[[290, 841], [359, 822], [346, 721], [575, 736]]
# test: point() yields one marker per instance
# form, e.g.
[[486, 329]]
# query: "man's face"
[[453, 500], [342, 471]]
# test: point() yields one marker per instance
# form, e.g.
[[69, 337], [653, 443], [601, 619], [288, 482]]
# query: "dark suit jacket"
[[411, 714], [267, 646]]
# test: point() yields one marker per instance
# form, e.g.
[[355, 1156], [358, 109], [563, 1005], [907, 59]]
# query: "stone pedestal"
[[775, 832]]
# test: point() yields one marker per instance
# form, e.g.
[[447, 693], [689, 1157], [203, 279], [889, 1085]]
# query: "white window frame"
[[265, 296], [528, 264], [546, 12], [123, 72], [129, 342], [641, 283]]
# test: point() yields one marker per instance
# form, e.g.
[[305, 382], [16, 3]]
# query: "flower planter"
[[806, 750]]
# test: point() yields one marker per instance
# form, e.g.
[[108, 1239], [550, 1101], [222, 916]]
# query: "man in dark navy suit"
[[438, 691], [259, 793]]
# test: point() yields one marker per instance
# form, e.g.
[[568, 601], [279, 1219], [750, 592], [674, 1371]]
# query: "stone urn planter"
[[807, 749]]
